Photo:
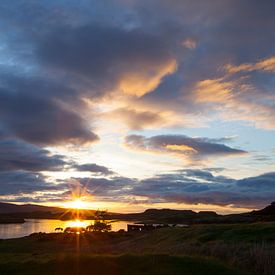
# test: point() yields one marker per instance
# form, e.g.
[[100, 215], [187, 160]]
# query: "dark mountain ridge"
[[268, 210], [33, 211]]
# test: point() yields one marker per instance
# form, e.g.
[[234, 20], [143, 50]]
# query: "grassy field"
[[111, 265], [200, 249]]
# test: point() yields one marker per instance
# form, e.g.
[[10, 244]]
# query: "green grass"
[[124, 264]]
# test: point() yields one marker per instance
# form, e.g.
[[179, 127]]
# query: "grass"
[[123, 264], [248, 233], [249, 247]]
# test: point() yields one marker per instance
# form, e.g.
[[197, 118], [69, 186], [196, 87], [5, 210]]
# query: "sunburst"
[[77, 204]]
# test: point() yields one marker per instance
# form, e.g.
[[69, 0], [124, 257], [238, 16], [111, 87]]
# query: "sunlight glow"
[[77, 204], [78, 223]]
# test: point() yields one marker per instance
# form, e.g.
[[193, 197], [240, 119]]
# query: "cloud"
[[226, 33], [188, 186], [267, 65], [132, 61], [30, 110], [263, 158], [75, 62], [199, 187], [214, 90], [265, 181], [18, 155], [189, 43], [136, 54], [111, 51], [138, 119], [19, 183], [94, 168], [107, 188], [235, 97], [183, 146]]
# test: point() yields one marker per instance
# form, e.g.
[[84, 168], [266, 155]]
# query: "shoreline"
[[12, 220]]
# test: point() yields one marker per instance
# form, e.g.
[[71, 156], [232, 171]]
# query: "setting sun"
[[78, 223], [77, 204]]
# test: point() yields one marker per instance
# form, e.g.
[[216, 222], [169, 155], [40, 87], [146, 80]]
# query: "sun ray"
[[76, 206]]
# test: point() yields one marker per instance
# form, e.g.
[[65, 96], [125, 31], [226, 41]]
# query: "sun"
[[76, 209], [78, 223], [77, 204]]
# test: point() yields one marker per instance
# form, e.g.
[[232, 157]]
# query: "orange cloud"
[[144, 79], [263, 65], [184, 148], [236, 100], [190, 149], [213, 90], [138, 118]]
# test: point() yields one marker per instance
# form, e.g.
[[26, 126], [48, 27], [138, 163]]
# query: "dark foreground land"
[[125, 264], [199, 249]]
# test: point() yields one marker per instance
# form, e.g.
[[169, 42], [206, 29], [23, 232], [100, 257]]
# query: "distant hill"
[[149, 215], [167, 216], [202, 217], [269, 210], [9, 210], [33, 211], [27, 208]]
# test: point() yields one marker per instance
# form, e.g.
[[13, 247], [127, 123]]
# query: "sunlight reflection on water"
[[8, 231]]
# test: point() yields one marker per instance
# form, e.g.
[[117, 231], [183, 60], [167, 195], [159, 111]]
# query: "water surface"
[[8, 231]]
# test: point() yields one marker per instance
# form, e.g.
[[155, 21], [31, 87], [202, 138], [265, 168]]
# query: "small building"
[[149, 227], [143, 227]]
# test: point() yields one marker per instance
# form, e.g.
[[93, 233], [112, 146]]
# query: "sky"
[[133, 104]]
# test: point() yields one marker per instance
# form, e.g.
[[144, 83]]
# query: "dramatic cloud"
[[184, 186], [18, 155], [196, 187], [71, 71], [31, 111], [190, 148], [234, 97], [129, 60], [22, 182]]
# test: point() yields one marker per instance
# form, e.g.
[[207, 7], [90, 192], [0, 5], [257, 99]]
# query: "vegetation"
[[100, 224], [124, 264], [247, 247], [227, 248]]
